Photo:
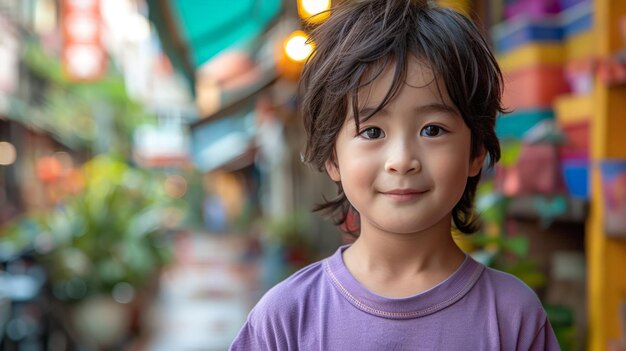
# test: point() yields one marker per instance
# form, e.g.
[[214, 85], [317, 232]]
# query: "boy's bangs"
[[371, 72]]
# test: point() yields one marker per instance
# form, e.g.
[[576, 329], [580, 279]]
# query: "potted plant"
[[103, 246]]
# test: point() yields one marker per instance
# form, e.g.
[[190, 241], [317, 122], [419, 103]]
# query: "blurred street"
[[204, 296], [153, 187]]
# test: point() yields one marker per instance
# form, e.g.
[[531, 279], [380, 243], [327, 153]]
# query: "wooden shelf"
[[525, 207]]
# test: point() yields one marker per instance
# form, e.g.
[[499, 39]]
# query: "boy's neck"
[[400, 265]]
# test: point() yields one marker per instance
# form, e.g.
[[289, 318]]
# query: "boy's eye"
[[372, 133], [432, 131]]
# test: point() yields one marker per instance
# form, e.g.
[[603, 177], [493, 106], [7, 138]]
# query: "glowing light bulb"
[[313, 7], [314, 10], [7, 153], [296, 46]]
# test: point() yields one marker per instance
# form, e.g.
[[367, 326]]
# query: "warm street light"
[[7, 153], [314, 11], [296, 46]]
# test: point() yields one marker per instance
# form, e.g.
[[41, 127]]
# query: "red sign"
[[84, 57]]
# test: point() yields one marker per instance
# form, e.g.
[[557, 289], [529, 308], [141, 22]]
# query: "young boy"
[[399, 105]]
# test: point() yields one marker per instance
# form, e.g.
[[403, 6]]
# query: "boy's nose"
[[402, 160]]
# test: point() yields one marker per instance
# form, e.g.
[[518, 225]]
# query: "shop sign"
[[161, 146], [84, 57]]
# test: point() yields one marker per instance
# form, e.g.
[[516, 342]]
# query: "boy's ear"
[[476, 164], [332, 169]]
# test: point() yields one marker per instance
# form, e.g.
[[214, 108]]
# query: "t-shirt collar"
[[427, 302]]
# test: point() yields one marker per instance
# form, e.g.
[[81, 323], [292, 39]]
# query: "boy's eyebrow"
[[366, 111], [436, 107]]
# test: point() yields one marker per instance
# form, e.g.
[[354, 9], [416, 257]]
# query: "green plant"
[[510, 254], [290, 233], [84, 115], [111, 232], [496, 248]]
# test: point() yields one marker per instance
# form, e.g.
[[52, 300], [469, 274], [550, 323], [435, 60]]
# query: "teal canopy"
[[194, 31]]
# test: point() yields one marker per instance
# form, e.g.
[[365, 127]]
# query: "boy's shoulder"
[[522, 322], [275, 319], [293, 291], [510, 290]]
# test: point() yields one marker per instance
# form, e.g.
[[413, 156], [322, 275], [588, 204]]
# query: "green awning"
[[194, 31]]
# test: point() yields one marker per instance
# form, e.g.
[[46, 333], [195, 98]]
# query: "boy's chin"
[[400, 228], [407, 225]]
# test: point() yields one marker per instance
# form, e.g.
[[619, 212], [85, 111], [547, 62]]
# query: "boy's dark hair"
[[355, 45]]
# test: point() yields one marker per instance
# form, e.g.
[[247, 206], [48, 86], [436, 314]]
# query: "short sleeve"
[[274, 323], [248, 339], [545, 340], [268, 325]]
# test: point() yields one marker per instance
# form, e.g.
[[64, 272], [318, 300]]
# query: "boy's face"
[[407, 166]]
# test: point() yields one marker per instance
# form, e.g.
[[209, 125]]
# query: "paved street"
[[205, 296]]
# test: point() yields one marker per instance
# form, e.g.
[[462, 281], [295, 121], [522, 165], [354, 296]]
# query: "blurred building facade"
[[203, 95]]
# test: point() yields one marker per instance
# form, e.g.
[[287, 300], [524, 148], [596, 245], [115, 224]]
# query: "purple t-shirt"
[[323, 307]]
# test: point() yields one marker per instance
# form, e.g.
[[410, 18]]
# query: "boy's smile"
[[406, 167], [402, 195]]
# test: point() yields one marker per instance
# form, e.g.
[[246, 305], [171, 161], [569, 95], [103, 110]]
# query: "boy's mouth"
[[403, 194], [401, 191]]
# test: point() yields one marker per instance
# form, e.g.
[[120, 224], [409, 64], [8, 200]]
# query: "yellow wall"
[[462, 6], [606, 257]]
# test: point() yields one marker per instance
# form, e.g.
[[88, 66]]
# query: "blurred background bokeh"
[[152, 189]]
